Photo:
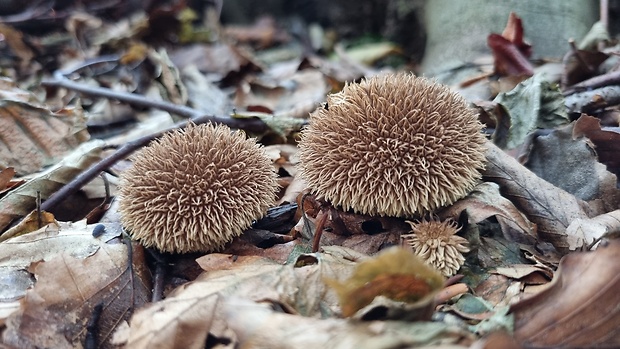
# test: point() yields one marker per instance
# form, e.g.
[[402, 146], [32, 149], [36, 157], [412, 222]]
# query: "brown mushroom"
[[195, 189], [392, 145]]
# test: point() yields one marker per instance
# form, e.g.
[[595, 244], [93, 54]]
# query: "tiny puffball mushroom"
[[438, 245], [392, 145], [195, 189]]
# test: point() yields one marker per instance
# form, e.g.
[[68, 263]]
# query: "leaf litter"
[[542, 224]]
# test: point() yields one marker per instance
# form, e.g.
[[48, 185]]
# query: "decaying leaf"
[[75, 272], [606, 143], [195, 308], [22, 200], [582, 233], [33, 221], [220, 59], [258, 326], [579, 308], [549, 207], [396, 274], [305, 88], [6, 180], [33, 137], [486, 201]]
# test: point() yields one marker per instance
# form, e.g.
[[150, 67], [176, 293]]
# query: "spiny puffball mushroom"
[[438, 245], [195, 189], [392, 145]]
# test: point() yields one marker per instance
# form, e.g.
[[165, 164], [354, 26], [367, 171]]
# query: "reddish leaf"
[[509, 60], [510, 51], [607, 143], [514, 33]]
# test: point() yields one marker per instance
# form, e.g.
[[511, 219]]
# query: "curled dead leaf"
[[396, 274], [580, 307]]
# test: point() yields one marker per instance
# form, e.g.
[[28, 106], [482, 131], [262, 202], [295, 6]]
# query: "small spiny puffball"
[[438, 245], [392, 145], [195, 189]]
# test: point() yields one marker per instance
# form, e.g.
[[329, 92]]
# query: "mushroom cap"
[[195, 189], [392, 145], [438, 245]]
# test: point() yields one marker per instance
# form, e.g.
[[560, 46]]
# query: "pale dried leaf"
[[257, 326], [218, 59], [296, 97], [168, 77], [22, 200], [550, 208], [579, 308], [195, 308], [10, 91], [203, 94], [74, 271], [33, 137], [583, 232], [486, 201], [368, 54]]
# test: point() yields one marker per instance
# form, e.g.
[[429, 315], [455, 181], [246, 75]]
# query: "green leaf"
[[534, 103]]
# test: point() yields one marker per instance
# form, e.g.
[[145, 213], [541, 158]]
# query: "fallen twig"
[[196, 116], [590, 101], [612, 78]]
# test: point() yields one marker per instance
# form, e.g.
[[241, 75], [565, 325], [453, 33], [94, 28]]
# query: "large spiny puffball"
[[195, 189], [392, 145]]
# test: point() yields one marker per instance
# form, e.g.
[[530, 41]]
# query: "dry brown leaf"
[[395, 273], [584, 232], [258, 326], [168, 77], [203, 94], [10, 91], [5, 178], [550, 208], [219, 59], [75, 272], [22, 200], [33, 221], [579, 308], [486, 201], [263, 32], [296, 96], [195, 308], [15, 40], [33, 137]]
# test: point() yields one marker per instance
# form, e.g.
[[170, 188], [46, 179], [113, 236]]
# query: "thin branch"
[[252, 125], [196, 116], [85, 177]]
